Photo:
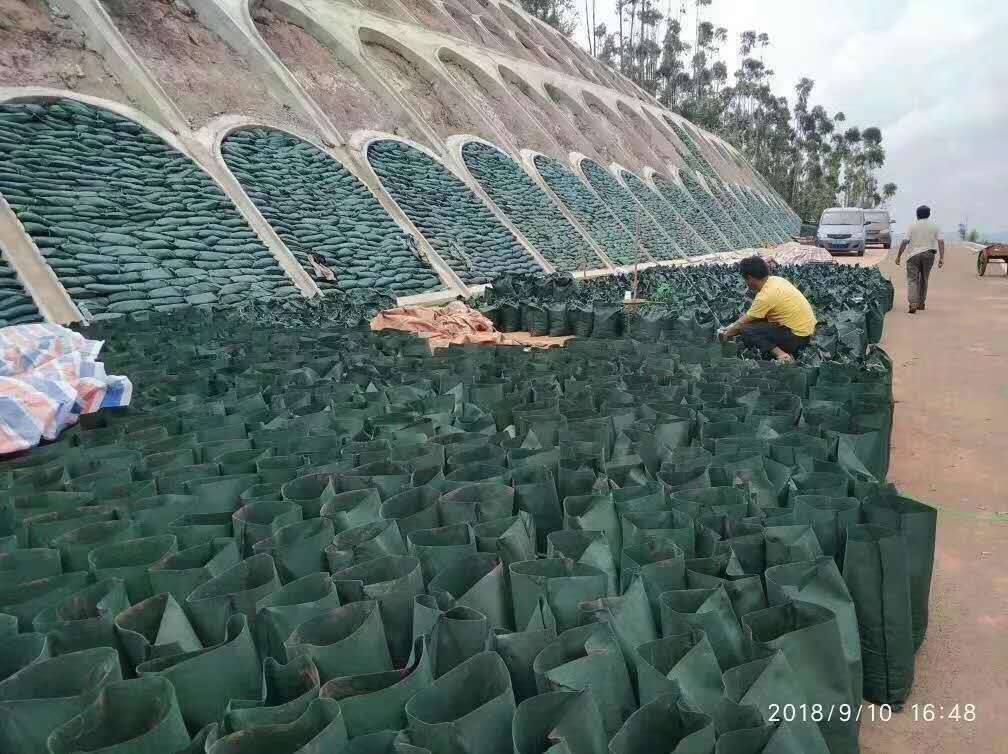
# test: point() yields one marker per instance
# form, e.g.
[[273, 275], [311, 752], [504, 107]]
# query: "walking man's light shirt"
[[922, 236]]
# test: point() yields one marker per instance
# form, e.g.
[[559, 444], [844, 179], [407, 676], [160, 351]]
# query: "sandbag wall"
[[16, 306], [677, 195], [312, 539], [319, 207], [126, 222], [678, 228]]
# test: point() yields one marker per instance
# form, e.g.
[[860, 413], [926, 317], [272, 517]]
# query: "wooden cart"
[[996, 251]]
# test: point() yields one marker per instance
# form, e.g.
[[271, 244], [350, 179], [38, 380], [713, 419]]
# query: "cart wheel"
[[982, 262]]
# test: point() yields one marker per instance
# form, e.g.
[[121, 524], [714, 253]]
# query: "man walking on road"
[[924, 238]]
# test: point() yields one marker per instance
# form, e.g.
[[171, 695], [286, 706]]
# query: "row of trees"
[[813, 158]]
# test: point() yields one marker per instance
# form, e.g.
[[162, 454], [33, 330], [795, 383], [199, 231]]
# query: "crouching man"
[[780, 321]]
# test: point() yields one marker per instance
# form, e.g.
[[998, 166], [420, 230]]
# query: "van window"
[[841, 218], [877, 217]]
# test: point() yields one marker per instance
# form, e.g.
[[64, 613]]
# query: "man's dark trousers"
[[767, 336]]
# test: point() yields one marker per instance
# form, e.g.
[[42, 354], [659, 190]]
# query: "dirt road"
[[950, 445]]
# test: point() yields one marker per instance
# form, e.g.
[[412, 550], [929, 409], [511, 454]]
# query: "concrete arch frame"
[[673, 176], [638, 153], [602, 139], [616, 171]]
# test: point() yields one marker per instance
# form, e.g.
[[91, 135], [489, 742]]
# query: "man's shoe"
[[920, 308], [912, 309]]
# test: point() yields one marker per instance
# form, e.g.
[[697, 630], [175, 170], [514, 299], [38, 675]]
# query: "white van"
[[879, 228], [842, 230]]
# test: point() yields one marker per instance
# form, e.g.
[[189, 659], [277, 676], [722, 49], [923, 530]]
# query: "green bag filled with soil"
[[363, 543], [26, 600], [181, 572], [454, 635], [659, 564], [581, 318], [439, 548], [563, 583], [18, 651], [587, 547], [236, 590], [83, 619], [20, 566], [680, 729], [260, 520], [298, 549], [412, 509], [393, 581], [917, 523], [281, 611], [744, 589], [348, 510], [809, 637], [470, 708], [608, 321], [876, 571], [287, 690], [75, 546], [346, 640], [681, 664], [140, 716], [829, 518], [46, 694], [559, 325], [478, 581], [709, 610], [156, 627], [538, 319], [819, 582], [374, 702], [510, 316], [310, 492], [193, 529], [559, 721], [319, 730], [475, 503], [205, 680], [588, 658], [129, 561]]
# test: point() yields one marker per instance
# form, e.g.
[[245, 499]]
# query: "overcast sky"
[[932, 74]]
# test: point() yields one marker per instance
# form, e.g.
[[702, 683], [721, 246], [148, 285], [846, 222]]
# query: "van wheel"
[[860, 252]]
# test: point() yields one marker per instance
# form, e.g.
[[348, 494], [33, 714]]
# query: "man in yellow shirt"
[[780, 321]]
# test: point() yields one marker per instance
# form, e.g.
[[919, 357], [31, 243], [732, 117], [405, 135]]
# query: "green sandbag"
[[468, 709], [412, 509], [587, 547], [257, 521], [287, 690], [26, 506], [363, 543], [439, 548], [512, 539], [347, 640], [876, 571], [564, 584], [46, 694], [348, 510], [298, 548], [744, 589], [310, 492], [318, 731], [156, 627], [596, 512], [829, 518], [709, 610], [630, 618], [129, 717], [236, 590], [18, 651], [455, 634], [372, 702], [242, 461], [680, 729], [388, 478], [280, 469], [206, 679], [588, 658], [220, 494], [680, 664], [559, 721], [83, 619], [477, 581], [819, 582], [194, 529], [75, 546], [808, 636], [283, 610], [20, 566], [917, 522], [393, 581], [660, 565], [181, 572], [667, 527], [26, 600], [129, 561], [155, 514], [536, 493], [475, 503]]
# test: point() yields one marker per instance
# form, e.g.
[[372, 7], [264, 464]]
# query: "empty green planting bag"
[[412, 509], [140, 716], [512, 538], [319, 730], [559, 721], [193, 529], [347, 640], [586, 547], [348, 510], [776, 738], [660, 565], [287, 691], [261, 519], [563, 583], [474, 503], [829, 518], [393, 581], [83, 619], [129, 560], [24, 601], [45, 694], [298, 548], [519, 649], [221, 494], [156, 627], [680, 729], [630, 618], [455, 634], [439, 548], [745, 590], [20, 566], [536, 493], [75, 546], [372, 702], [664, 527], [589, 658], [478, 582], [205, 680], [156, 513], [682, 664], [709, 610], [181, 572], [283, 610], [468, 709], [388, 478], [310, 492], [366, 542], [236, 590], [596, 512]]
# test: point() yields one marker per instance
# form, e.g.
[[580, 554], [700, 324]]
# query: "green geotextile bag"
[[260, 520], [475, 503], [512, 539], [298, 549], [129, 561], [519, 650], [876, 571], [140, 716], [26, 600], [454, 635], [363, 543], [559, 721], [681, 664], [709, 610], [346, 640], [629, 617], [829, 518], [319, 730], [562, 583], [19, 566], [680, 729], [440, 548], [470, 708], [155, 627], [181, 572], [412, 509], [83, 619], [287, 690], [237, 590], [778, 738], [75, 546], [586, 547], [310, 492], [207, 679], [17, 651], [282, 611], [46, 694], [348, 510]]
